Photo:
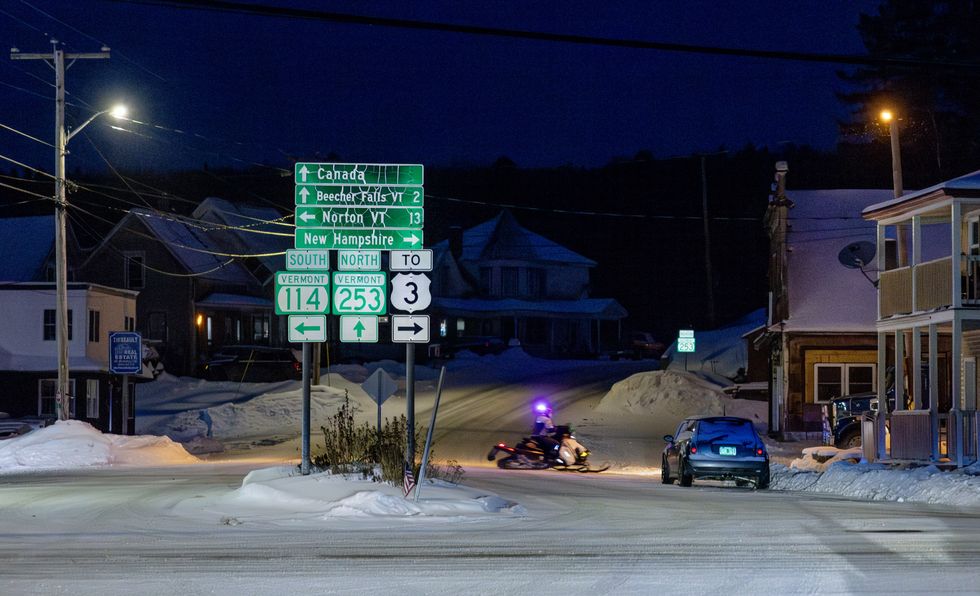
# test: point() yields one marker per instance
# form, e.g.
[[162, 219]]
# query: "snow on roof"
[[824, 295], [221, 300], [25, 243], [36, 363], [192, 248], [503, 238], [969, 181], [603, 308], [250, 229]]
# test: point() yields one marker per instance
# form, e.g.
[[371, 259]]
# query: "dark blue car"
[[716, 448]]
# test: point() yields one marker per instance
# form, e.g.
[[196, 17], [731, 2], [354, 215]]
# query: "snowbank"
[[818, 459], [279, 495], [878, 482], [674, 395], [266, 415], [73, 444]]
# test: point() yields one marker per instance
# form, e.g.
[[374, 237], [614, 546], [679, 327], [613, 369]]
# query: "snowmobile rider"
[[544, 426]]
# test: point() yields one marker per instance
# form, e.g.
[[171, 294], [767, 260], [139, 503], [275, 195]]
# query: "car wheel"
[[763, 481], [687, 479], [665, 472], [851, 440]]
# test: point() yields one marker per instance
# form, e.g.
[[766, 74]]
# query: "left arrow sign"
[[307, 328]]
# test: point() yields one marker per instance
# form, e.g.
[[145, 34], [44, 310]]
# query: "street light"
[[62, 136]]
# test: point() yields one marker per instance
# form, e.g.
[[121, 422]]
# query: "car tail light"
[[501, 445], [694, 449], [760, 451], [297, 366]]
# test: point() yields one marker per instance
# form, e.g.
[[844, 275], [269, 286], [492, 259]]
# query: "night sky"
[[256, 89]]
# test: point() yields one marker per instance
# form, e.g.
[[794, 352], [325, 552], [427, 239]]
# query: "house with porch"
[[928, 318], [820, 335], [501, 279]]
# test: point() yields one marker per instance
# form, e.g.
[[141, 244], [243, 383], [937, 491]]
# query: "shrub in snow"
[[361, 449]]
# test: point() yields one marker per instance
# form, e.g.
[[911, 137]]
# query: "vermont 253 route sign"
[[363, 293]]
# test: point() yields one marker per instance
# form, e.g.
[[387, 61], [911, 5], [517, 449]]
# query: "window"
[[51, 324], [535, 282], [508, 281], [94, 324], [92, 398], [133, 270], [210, 332], [835, 380], [129, 323], [486, 280], [46, 391], [260, 328], [442, 328]]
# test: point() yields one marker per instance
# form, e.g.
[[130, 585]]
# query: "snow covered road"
[[116, 532]]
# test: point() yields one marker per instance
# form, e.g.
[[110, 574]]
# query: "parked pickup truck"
[[845, 416]]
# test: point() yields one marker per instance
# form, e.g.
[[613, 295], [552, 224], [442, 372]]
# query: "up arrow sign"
[[304, 171], [303, 193], [359, 329]]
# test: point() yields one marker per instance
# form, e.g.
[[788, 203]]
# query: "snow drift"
[[74, 444]]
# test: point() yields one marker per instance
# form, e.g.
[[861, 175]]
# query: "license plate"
[[727, 451]]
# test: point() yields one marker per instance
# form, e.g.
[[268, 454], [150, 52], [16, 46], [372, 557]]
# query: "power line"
[[352, 19], [24, 165], [24, 134]]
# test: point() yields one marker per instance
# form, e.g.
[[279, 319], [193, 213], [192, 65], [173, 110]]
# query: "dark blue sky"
[[262, 89]]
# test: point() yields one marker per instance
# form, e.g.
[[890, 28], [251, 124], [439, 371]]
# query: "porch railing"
[[895, 286], [933, 284], [911, 435]]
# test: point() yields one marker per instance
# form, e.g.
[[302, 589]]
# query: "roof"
[[191, 247], [235, 301], [256, 227], [25, 243], [968, 184], [600, 308], [824, 295], [502, 238]]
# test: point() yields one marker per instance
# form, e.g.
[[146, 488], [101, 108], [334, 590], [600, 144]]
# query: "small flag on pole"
[[409, 479]]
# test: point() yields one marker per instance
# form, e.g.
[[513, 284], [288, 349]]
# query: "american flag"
[[409, 479]]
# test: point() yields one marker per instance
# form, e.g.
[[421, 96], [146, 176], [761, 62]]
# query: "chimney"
[[455, 241]]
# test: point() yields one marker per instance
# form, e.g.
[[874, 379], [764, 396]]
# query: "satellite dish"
[[857, 254]]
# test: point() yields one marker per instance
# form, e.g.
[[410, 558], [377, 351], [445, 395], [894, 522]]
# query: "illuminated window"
[[834, 380]]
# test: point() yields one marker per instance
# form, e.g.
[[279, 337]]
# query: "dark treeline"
[[639, 218]]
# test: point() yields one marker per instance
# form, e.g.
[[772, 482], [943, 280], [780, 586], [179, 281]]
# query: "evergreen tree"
[[938, 106]]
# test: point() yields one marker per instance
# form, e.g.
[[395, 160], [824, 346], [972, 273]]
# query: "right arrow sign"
[[410, 329]]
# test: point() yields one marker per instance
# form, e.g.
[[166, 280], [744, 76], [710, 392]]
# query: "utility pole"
[[707, 244], [56, 59]]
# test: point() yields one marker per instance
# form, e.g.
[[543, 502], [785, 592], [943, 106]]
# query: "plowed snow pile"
[[665, 393], [74, 444]]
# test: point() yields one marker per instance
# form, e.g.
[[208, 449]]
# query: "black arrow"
[[415, 328]]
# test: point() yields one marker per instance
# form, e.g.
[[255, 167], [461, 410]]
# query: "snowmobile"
[[563, 453]]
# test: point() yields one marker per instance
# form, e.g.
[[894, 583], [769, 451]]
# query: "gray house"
[[501, 279]]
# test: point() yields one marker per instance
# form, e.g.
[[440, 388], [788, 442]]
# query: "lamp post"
[[57, 59]]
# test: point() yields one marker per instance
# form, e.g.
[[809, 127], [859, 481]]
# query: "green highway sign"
[[332, 195], [299, 293], [307, 328], [359, 174], [407, 218], [360, 293], [344, 239]]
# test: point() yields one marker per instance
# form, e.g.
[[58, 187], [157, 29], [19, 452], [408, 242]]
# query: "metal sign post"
[[307, 357], [428, 434]]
